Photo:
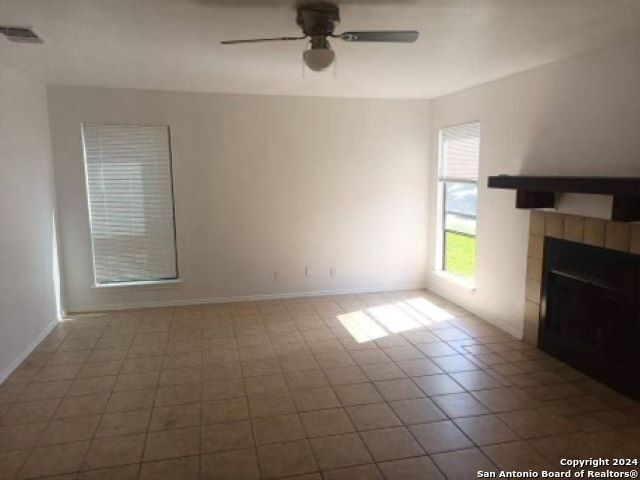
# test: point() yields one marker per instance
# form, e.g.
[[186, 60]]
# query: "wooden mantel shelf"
[[539, 192]]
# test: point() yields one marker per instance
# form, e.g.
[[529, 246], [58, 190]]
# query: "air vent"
[[20, 34]]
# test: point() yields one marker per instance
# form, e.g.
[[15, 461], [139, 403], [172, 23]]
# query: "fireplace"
[[589, 311]]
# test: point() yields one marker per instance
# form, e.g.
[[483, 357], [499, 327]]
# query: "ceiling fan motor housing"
[[318, 19]]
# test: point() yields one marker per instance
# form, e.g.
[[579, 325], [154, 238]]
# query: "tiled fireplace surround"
[[619, 236]]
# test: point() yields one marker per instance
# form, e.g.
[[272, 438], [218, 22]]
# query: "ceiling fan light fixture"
[[318, 59]]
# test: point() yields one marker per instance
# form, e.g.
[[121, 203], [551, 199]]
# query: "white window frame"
[[137, 283], [441, 230]]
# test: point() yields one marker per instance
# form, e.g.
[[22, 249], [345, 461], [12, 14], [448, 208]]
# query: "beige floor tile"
[[235, 464], [224, 411], [27, 412], [391, 444], [45, 390], [175, 416], [320, 423], [454, 363], [24, 435], [403, 352], [281, 428], [58, 372], [459, 405], [138, 365], [418, 468], [518, 456], [463, 464], [91, 385], [419, 367], [136, 381], [11, 462], [258, 368], [504, 399], [436, 349], [186, 468], [130, 400], [417, 410], [72, 344], [181, 360], [286, 459], [374, 415], [476, 380], [113, 451], [80, 356], [178, 394], [306, 380], [486, 429], [115, 341], [382, 371], [437, 385], [360, 472], [315, 399], [226, 436], [54, 460], [420, 336], [10, 393], [358, 394], [334, 360], [172, 443], [448, 334], [369, 356], [180, 376], [340, 451], [265, 385], [101, 369], [126, 472], [401, 389], [269, 405], [345, 375], [124, 423], [298, 363], [223, 389], [438, 437], [69, 430], [533, 423]]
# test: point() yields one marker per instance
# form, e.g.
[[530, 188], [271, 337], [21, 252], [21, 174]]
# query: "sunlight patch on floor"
[[383, 320]]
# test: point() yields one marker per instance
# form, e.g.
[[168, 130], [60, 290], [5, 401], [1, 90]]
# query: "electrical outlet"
[[308, 271], [333, 272], [277, 275]]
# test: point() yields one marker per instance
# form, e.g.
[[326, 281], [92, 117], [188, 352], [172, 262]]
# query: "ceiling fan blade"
[[257, 40], [396, 36]]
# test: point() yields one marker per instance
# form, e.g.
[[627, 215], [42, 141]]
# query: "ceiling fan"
[[317, 21]]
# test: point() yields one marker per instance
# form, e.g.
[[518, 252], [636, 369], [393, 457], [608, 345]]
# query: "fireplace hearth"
[[589, 311]]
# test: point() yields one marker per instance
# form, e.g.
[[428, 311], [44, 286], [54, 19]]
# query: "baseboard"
[[27, 351], [245, 298]]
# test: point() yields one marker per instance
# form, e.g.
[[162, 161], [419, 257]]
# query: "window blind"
[[460, 150], [130, 190]]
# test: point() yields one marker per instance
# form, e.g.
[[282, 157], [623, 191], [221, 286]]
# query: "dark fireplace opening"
[[589, 315]]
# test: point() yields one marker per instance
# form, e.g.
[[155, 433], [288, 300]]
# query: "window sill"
[[154, 283], [458, 281]]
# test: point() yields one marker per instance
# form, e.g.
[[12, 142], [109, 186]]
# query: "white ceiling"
[[174, 44]]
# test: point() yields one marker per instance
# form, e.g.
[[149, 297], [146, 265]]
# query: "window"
[[458, 177], [131, 212]]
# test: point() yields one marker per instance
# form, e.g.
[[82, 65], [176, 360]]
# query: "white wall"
[[27, 253], [580, 116], [262, 184]]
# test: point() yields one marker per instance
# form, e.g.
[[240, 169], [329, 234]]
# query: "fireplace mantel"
[[539, 192]]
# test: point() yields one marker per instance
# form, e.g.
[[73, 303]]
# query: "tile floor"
[[399, 385]]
